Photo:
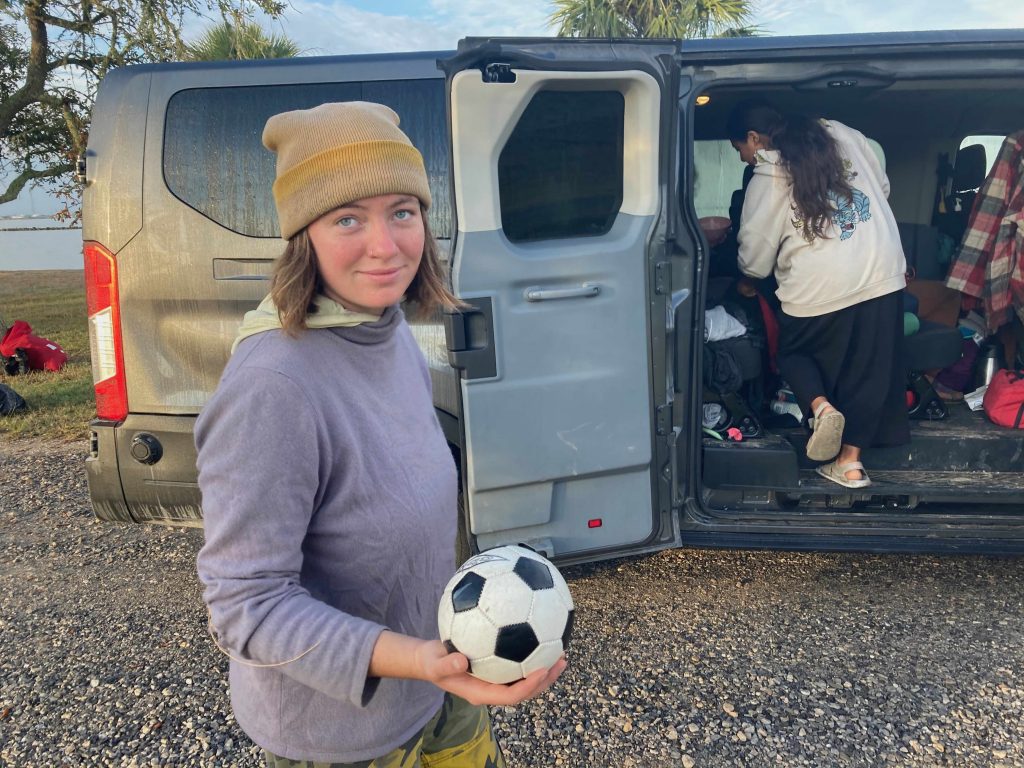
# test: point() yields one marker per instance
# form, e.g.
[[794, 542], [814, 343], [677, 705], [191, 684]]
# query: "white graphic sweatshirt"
[[860, 258]]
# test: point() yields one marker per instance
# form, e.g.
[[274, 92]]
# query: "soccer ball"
[[509, 611]]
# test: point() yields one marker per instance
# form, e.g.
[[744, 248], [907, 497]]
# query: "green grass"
[[60, 404]]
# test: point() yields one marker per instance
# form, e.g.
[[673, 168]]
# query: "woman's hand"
[[448, 671], [746, 286], [397, 655]]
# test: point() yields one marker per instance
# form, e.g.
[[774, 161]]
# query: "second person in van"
[[816, 215]]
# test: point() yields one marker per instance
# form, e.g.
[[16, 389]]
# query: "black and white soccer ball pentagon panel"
[[509, 611]]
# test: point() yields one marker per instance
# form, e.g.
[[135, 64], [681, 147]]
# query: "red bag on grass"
[[1004, 399], [43, 354]]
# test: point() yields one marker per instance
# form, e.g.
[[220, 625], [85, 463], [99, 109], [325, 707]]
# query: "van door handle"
[[469, 333], [584, 291]]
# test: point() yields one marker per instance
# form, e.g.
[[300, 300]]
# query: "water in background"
[[25, 244], [47, 249]]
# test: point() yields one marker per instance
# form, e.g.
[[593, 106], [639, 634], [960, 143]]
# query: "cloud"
[[996, 13], [803, 17], [774, 16], [325, 28], [322, 28], [485, 17], [358, 26]]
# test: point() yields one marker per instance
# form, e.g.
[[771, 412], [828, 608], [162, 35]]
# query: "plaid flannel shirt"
[[989, 263]]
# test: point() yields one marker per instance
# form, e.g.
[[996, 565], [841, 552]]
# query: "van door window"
[[560, 173], [992, 145], [215, 161]]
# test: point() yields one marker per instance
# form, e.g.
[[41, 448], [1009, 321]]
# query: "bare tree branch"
[[84, 62], [31, 174], [81, 25], [75, 128], [54, 55]]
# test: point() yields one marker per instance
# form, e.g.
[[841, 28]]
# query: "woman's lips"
[[382, 275]]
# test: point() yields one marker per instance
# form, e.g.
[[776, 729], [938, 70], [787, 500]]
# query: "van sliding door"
[[560, 165]]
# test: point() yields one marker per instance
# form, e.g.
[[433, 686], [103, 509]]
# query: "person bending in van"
[[816, 215], [329, 492]]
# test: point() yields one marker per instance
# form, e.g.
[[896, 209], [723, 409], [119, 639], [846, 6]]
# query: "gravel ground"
[[686, 658]]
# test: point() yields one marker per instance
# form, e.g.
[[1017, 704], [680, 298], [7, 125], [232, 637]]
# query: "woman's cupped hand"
[[449, 671]]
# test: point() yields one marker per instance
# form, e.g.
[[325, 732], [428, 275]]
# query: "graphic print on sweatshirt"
[[848, 212]]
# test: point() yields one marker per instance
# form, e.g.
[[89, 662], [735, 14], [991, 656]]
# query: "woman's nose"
[[382, 241]]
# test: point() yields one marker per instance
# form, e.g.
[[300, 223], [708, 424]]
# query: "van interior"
[[938, 140]]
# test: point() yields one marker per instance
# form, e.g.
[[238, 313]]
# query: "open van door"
[[565, 165]]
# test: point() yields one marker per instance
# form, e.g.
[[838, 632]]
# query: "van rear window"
[[560, 174], [214, 160]]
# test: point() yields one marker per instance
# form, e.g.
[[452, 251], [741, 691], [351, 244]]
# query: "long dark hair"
[[808, 152]]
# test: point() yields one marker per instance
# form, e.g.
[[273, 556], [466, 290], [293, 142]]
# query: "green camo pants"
[[458, 736]]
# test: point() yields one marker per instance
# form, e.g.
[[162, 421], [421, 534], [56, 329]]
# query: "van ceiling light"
[[702, 100]]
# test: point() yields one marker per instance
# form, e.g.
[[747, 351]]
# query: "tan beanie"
[[339, 153]]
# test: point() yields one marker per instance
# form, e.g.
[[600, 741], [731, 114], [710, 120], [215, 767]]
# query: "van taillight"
[[105, 332]]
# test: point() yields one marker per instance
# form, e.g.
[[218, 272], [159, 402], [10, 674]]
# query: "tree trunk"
[[35, 77]]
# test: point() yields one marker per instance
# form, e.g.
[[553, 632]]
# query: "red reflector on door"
[[595, 523]]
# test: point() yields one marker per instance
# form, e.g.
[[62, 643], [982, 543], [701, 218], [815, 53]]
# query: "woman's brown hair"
[[296, 281], [809, 153]]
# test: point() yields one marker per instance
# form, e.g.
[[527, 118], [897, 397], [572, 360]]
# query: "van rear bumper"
[[101, 470], [143, 470]]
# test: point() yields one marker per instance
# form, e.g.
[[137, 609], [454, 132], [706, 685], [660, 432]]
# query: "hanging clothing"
[[989, 264]]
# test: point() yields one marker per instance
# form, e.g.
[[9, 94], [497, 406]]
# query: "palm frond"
[[241, 40], [653, 18]]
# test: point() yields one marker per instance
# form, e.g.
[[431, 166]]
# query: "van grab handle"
[[584, 291]]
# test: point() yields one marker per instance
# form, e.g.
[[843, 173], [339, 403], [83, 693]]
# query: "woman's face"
[[748, 148], [369, 251]]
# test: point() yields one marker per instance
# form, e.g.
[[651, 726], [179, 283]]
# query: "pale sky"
[[323, 27], [372, 26]]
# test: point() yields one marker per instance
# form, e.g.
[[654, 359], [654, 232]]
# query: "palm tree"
[[241, 40], [653, 18]]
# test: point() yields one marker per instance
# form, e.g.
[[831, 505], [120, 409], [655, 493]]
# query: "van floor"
[[963, 455]]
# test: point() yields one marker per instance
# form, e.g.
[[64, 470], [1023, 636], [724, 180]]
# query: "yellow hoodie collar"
[[329, 314]]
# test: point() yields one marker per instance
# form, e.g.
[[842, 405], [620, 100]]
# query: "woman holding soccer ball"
[[329, 492]]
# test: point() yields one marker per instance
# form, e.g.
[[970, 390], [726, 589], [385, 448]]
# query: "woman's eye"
[[347, 221], [403, 215]]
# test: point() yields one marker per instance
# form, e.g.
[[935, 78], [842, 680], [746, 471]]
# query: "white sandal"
[[837, 474], [827, 435]]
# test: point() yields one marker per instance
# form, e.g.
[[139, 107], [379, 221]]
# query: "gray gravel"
[[686, 658]]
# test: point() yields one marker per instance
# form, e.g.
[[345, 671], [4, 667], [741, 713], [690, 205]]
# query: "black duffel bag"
[[10, 401]]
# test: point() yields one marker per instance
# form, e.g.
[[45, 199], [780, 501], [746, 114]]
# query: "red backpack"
[[1004, 399], [43, 354]]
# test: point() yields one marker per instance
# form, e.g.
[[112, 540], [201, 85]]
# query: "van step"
[[987, 487], [964, 442]]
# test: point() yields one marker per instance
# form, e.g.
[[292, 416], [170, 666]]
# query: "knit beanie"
[[338, 153]]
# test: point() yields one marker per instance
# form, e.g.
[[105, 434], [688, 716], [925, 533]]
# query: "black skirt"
[[852, 357]]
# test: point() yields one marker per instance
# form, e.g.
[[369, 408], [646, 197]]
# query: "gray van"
[[569, 180]]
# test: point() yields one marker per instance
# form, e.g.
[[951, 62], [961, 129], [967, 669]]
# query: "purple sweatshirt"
[[329, 500]]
